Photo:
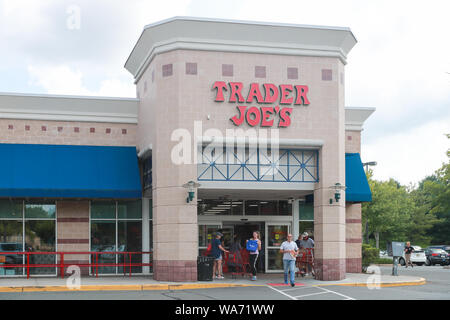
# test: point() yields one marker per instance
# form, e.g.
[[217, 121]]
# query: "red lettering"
[[285, 117], [220, 85], [238, 120], [254, 92], [255, 111], [271, 93], [286, 89], [236, 88], [301, 95], [266, 113]]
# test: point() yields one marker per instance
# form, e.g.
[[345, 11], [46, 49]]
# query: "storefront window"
[[103, 210], [35, 231], [116, 226], [40, 236], [11, 209], [205, 235], [39, 210], [129, 209], [130, 240], [219, 207], [103, 238], [306, 217], [268, 208], [252, 207], [11, 240]]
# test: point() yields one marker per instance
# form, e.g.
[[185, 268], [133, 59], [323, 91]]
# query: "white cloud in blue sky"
[[400, 65]]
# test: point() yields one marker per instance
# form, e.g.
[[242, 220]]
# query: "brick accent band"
[[353, 220], [175, 270], [72, 241], [330, 269], [358, 240], [73, 220], [353, 265]]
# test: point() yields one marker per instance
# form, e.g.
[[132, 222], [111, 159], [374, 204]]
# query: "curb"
[[419, 282], [137, 287]]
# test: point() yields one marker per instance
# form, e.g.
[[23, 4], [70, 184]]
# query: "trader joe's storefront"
[[238, 219]]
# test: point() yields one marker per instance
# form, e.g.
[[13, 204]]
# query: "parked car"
[[418, 257], [443, 247], [11, 247], [436, 256]]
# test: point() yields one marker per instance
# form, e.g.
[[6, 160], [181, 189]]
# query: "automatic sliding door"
[[276, 234]]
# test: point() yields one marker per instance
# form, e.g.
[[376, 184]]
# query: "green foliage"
[[369, 256], [419, 214], [383, 261], [389, 214]]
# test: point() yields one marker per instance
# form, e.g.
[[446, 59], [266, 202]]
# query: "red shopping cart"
[[304, 259]]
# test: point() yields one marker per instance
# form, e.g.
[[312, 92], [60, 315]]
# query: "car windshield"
[[433, 250]]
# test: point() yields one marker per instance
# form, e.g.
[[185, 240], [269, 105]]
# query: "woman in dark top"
[[216, 252]]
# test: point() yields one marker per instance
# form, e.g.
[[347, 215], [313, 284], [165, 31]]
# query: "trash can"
[[205, 268]]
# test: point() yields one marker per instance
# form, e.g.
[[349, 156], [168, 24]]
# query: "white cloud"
[[411, 155], [64, 80], [399, 64]]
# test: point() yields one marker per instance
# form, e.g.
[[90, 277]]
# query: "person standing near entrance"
[[307, 245], [253, 246], [289, 250], [216, 252], [408, 250]]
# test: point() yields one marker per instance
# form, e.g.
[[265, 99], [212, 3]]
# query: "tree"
[[389, 213]]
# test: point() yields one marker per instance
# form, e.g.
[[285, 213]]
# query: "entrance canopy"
[[358, 189], [67, 171]]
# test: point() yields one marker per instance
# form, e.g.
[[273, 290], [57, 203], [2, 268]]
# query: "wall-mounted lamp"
[[291, 200], [337, 191], [191, 186]]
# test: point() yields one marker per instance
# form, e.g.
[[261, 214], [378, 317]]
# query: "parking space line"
[[339, 294], [279, 291], [311, 294], [295, 288]]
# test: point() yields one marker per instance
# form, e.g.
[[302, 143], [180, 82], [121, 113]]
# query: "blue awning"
[[64, 171], [358, 189]]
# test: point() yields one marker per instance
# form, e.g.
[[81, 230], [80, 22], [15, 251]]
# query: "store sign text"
[[282, 96]]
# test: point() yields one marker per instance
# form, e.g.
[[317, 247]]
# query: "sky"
[[400, 65]]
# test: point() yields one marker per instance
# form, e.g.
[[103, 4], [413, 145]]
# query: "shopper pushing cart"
[[305, 258]]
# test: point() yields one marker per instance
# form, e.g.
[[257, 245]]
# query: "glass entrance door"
[[276, 234]]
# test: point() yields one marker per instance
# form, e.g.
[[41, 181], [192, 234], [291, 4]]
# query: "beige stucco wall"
[[176, 101], [14, 131]]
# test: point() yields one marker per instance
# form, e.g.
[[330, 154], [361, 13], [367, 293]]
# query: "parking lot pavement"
[[436, 287]]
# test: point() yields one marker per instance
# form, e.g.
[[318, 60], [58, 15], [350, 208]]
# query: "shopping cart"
[[239, 264], [304, 258]]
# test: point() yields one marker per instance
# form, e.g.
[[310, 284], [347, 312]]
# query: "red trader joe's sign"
[[280, 97]]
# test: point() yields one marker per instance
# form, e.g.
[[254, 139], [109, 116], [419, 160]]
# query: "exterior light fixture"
[[366, 165], [337, 191], [191, 185]]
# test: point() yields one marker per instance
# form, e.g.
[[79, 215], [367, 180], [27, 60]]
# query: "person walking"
[[307, 245], [253, 246], [289, 250], [408, 250], [216, 252]]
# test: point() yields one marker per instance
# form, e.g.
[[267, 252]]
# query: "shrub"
[[370, 255]]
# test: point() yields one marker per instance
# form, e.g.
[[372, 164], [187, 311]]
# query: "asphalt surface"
[[436, 288]]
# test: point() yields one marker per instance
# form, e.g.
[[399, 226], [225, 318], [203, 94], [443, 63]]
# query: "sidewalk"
[[141, 283]]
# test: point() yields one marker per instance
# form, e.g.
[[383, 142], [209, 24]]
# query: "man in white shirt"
[[290, 250]]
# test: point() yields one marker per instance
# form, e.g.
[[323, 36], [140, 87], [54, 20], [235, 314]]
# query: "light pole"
[[367, 164]]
